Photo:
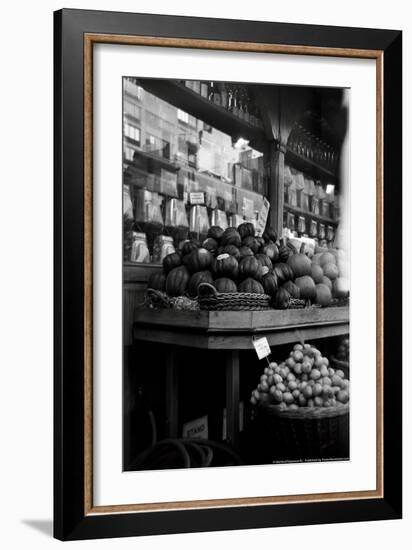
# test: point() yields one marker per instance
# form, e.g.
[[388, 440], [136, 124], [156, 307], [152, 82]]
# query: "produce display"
[[304, 379], [237, 260]]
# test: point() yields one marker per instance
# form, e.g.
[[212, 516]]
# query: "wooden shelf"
[[309, 166], [302, 212], [214, 115]]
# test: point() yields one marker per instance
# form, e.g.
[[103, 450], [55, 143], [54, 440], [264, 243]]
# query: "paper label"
[[197, 198], [261, 346], [263, 216], [197, 429]]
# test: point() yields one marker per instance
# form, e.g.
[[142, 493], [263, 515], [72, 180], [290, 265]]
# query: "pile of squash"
[[236, 260]]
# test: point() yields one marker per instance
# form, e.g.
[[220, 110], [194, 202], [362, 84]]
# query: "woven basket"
[[307, 433], [212, 300], [157, 299], [160, 300]]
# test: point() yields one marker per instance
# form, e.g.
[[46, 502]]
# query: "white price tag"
[[262, 347], [263, 216], [197, 198]]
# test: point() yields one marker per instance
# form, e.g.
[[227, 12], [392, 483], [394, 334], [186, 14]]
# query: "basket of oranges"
[[304, 403]]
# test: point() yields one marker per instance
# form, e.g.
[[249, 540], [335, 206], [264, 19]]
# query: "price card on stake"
[[261, 346], [197, 197], [263, 216]]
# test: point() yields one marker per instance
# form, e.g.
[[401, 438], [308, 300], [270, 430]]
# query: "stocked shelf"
[[309, 166], [214, 115], [317, 217]]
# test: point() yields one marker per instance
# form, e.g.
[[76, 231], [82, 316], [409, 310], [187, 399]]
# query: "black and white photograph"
[[236, 273]]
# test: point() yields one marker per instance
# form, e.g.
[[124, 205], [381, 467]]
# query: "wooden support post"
[[172, 394], [232, 398], [277, 186]]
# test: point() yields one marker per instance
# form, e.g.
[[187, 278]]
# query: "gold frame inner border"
[[93, 38]]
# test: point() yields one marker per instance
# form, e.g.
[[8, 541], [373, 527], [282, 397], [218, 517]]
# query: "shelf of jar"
[[301, 212], [212, 114], [309, 166]]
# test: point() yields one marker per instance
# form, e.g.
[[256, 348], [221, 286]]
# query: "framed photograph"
[[227, 274]]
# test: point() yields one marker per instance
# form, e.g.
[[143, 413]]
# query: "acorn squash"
[[226, 265], [252, 286], [196, 279], [225, 285], [177, 281]]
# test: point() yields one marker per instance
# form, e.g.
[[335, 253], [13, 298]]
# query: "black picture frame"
[[70, 520]]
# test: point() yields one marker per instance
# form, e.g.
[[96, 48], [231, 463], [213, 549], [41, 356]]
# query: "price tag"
[[261, 347], [263, 216], [197, 197]]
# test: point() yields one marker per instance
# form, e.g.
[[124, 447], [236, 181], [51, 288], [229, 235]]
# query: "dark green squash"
[[246, 229], [251, 285], [231, 236], [270, 234], [271, 251], [270, 284], [210, 244], [284, 252], [264, 260], [177, 281], [196, 279], [198, 260], [282, 299], [171, 261], [261, 243], [189, 246], [262, 271], [226, 265], [252, 243], [245, 251], [293, 289], [215, 232], [230, 249], [283, 272], [157, 281], [248, 267], [225, 285]]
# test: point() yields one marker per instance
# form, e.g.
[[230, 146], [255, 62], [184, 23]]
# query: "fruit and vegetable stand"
[[230, 331], [279, 272]]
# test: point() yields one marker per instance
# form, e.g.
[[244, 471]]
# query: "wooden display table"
[[230, 331]]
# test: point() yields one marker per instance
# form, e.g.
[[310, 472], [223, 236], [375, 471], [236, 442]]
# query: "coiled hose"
[[185, 453]]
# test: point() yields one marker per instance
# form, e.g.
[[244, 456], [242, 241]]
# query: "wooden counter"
[[231, 331]]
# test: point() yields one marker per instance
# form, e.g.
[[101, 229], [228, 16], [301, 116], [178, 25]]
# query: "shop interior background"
[[182, 176]]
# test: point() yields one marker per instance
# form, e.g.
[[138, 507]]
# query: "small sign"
[[197, 197], [262, 347], [263, 216], [197, 429]]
